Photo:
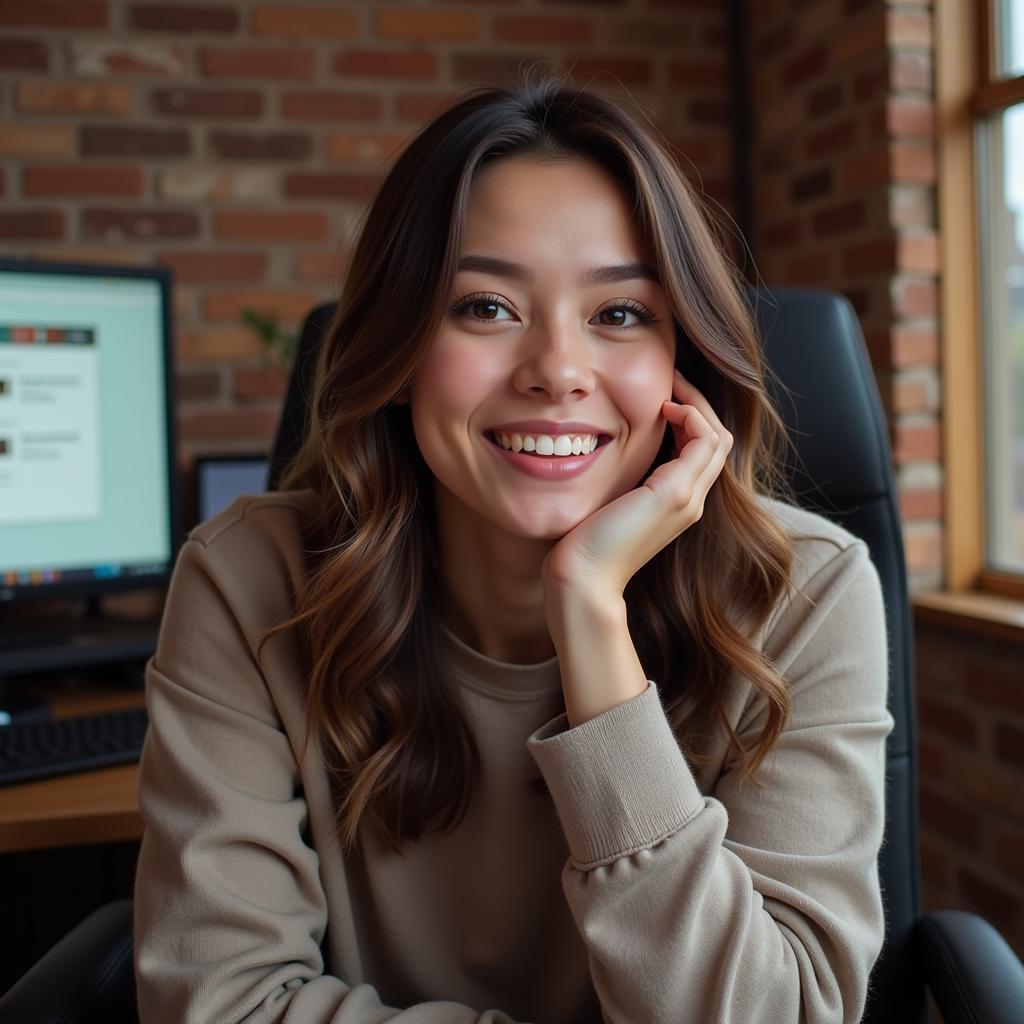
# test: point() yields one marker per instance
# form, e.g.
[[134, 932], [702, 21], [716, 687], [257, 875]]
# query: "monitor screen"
[[87, 493], [222, 478]]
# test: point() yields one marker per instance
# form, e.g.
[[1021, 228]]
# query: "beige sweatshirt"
[[643, 892]]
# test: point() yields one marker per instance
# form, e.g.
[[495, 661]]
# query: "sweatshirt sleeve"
[[744, 904], [229, 911]]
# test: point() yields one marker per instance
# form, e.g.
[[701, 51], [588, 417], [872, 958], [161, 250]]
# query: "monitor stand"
[[65, 645]]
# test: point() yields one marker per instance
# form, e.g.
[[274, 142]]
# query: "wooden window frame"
[[965, 91]]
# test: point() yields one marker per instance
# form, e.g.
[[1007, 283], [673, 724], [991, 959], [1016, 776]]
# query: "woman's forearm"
[[598, 662]]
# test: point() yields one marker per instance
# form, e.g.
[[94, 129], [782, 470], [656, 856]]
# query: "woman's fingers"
[[687, 393]]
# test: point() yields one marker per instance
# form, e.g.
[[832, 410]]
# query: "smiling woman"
[[530, 696]]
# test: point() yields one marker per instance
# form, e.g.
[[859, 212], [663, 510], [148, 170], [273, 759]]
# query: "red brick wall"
[[239, 143]]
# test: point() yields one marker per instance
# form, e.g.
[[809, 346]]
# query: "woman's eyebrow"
[[596, 275]]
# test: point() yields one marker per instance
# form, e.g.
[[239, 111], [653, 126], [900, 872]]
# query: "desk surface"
[[97, 806]]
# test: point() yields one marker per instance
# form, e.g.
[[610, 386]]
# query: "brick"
[[214, 183], [811, 266], [181, 17], [912, 206], [815, 183], [908, 28], [651, 32], [910, 71], [781, 233], [833, 138], [130, 255], [290, 146], [921, 504], [914, 347], [914, 297], [628, 70], [922, 547], [804, 67], [133, 140], [952, 721], [217, 344], [913, 162], [913, 393], [331, 186], [991, 786], [399, 64], [709, 110], [330, 105], [229, 423], [195, 265], [82, 180], [543, 29], [995, 687], [872, 84], [269, 382], [38, 96], [774, 40], [918, 253], [420, 107], [956, 822], [868, 168], [98, 57], [115, 225], [320, 22], [935, 862], [931, 757], [197, 385], [3, 181], [909, 116], [376, 148], [193, 103], [17, 224], [224, 62], [21, 54], [55, 13], [862, 38], [320, 265], [271, 226], [698, 74], [477, 66], [866, 258], [37, 140], [421, 24], [1008, 847], [917, 442], [1009, 745], [839, 217], [289, 304], [780, 122], [996, 902], [825, 99]]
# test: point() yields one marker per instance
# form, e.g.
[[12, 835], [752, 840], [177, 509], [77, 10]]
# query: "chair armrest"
[[88, 977], [973, 974]]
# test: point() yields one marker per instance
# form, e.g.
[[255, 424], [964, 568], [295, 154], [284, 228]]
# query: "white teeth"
[[543, 444]]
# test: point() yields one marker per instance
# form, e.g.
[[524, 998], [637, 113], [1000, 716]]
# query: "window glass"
[[1009, 38], [1001, 167]]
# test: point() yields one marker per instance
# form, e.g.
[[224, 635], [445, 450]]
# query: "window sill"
[[972, 611]]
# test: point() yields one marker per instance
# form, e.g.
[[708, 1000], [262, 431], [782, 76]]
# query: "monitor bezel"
[[164, 277]]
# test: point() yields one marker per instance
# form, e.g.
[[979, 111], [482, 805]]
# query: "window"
[[980, 107]]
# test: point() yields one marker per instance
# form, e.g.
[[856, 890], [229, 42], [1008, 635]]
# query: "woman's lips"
[[548, 467]]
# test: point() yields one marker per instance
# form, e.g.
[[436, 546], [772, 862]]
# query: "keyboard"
[[41, 749]]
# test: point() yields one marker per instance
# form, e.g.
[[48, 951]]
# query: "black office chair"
[[843, 470]]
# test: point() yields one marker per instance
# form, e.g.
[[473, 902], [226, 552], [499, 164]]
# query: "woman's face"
[[545, 343]]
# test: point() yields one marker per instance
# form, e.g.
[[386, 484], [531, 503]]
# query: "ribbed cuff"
[[619, 781]]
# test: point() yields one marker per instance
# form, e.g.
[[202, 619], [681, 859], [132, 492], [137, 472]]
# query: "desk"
[[98, 806]]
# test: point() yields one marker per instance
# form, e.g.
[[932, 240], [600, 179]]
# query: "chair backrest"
[[840, 465]]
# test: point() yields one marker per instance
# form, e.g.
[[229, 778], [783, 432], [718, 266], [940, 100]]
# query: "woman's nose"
[[556, 359]]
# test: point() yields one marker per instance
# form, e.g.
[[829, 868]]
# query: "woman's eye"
[[490, 305]]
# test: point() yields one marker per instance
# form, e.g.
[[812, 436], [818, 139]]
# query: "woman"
[[528, 697]]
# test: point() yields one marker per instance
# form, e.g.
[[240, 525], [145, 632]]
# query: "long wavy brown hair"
[[395, 740]]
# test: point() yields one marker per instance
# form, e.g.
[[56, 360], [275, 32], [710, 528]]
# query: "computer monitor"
[[88, 496], [222, 478]]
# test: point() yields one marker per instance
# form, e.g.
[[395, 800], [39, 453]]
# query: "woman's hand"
[[598, 557]]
